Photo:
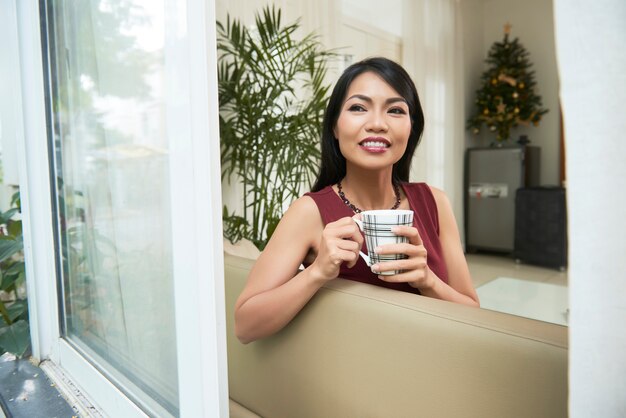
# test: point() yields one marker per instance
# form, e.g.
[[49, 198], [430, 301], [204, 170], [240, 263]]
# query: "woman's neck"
[[369, 190]]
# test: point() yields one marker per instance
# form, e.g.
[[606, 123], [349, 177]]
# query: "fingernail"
[[375, 269], [377, 250]]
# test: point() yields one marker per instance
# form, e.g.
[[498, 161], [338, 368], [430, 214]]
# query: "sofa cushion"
[[358, 350]]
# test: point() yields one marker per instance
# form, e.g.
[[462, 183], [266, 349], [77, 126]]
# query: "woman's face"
[[374, 123]]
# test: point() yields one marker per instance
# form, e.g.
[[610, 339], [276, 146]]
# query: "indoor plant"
[[272, 97]]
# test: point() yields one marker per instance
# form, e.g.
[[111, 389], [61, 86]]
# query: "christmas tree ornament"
[[509, 80]]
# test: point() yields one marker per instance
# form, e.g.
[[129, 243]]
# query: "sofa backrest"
[[358, 350]]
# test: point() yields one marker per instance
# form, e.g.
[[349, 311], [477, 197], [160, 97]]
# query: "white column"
[[590, 39]]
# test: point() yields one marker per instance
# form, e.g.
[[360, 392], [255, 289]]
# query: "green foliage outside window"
[[14, 329]]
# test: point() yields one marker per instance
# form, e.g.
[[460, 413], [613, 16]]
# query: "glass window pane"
[[106, 63]]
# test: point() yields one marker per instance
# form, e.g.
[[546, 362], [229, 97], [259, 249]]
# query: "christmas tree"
[[507, 97]]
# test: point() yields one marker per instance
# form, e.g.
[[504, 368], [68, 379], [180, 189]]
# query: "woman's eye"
[[397, 111], [356, 108]]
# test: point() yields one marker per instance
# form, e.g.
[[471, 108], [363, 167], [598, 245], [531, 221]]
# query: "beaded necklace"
[[343, 197]]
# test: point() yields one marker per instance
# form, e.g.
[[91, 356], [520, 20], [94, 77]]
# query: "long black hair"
[[333, 164]]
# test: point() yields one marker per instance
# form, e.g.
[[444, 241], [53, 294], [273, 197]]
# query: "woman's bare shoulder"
[[304, 210], [304, 205], [295, 235], [440, 196], [302, 219]]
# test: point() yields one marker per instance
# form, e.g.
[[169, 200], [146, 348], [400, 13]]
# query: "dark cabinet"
[[541, 227]]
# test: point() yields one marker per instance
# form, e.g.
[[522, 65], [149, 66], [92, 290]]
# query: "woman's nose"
[[377, 122]]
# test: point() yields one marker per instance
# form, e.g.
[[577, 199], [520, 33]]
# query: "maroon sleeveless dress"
[[425, 219]]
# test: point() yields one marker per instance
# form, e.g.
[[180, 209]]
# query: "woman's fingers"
[[410, 232], [402, 248], [343, 250], [405, 264], [349, 235], [414, 268], [341, 242], [349, 245], [352, 247], [345, 228], [338, 256], [417, 277]]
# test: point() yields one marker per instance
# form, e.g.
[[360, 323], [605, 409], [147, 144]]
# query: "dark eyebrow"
[[369, 100]]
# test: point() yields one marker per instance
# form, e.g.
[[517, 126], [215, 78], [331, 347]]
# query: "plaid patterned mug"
[[376, 226]]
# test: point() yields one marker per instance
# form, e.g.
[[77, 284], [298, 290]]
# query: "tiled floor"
[[486, 267], [546, 301]]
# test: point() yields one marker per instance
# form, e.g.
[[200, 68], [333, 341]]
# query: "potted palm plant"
[[272, 97]]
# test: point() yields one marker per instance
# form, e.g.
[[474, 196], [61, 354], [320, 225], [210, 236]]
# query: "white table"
[[542, 301]]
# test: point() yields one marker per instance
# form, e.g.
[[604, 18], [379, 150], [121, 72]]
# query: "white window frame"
[[192, 120]]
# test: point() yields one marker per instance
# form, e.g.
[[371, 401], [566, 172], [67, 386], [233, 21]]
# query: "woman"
[[371, 128]]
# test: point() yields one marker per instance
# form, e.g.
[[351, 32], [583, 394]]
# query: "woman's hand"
[[341, 242], [414, 269]]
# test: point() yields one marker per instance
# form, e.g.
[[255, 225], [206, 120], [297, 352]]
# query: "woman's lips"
[[375, 145]]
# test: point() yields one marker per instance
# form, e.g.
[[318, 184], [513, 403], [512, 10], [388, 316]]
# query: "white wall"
[[244, 9], [533, 24], [360, 40], [380, 16]]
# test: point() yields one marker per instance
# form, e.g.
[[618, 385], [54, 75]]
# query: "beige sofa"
[[362, 351]]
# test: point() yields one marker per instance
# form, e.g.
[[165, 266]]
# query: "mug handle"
[[359, 223], [366, 258]]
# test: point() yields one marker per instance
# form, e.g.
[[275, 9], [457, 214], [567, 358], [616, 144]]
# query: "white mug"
[[376, 226]]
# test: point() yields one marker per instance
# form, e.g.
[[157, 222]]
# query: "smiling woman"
[[371, 128]]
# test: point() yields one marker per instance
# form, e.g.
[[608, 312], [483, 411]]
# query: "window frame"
[[197, 251]]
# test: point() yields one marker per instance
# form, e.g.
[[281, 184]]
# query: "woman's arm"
[[459, 288], [276, 291], [416, 273]]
